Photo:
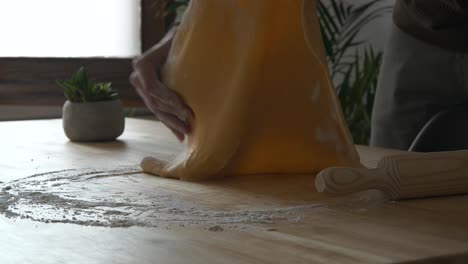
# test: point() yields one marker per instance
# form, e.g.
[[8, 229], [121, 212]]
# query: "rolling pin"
[[415, 175]]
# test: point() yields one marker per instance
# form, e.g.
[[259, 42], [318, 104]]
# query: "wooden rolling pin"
[[415, 175]]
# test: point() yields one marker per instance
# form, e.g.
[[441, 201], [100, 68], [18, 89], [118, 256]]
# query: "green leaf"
[[80, 88]]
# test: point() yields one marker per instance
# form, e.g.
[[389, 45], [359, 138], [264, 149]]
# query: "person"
[[425, 70], [164, 103]]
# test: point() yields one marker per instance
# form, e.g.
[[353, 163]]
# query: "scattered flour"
[[120, 198], [216, 228]]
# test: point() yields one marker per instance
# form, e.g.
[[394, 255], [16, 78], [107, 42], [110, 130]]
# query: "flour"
[[216, 228], [121, 198]]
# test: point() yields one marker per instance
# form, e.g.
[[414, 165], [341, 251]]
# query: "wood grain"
[[415, 175], [32, 81], [427, 174], [454, 259], [361, 228], [350, 180]]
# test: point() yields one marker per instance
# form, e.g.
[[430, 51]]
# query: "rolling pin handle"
[[349, 180]]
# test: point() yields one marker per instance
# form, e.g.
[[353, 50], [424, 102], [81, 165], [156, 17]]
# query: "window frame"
[[31, 81]]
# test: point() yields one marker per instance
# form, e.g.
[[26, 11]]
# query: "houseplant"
[[92, 111], [354, 64]]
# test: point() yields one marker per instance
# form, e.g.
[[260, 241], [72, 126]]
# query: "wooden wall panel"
[[31, 81], [152, 25]]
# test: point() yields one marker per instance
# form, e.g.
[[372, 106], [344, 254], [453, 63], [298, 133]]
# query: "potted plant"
[[92, 111]]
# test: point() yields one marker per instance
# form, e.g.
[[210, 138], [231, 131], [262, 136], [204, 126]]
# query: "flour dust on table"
[[124, 197]]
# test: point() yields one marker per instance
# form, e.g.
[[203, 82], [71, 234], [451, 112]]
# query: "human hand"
[[165, 104]]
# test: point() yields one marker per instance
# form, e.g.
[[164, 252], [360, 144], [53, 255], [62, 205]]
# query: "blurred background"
[[48, 38]]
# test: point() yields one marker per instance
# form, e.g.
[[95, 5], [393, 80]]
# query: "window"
[[70, 28], [46, 40]]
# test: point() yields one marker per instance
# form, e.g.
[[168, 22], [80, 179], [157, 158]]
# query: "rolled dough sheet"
[[256, 77]]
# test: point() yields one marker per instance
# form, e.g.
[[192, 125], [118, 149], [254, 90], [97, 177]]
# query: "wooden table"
[[305, 227]]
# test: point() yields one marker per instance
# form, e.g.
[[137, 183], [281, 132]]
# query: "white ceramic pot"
[[95, 121]]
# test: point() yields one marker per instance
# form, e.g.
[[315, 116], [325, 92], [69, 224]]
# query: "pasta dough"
[[255, 75]]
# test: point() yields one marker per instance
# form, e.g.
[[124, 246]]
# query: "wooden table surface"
[[312, 228]]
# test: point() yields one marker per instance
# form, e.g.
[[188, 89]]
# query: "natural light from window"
[[69, 28]]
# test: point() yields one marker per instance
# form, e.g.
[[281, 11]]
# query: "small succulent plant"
[[81, 89]]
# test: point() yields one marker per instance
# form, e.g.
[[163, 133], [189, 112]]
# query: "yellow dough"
[[255, 74]]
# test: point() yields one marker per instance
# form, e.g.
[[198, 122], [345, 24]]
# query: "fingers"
[[152, 105], [165, 103], [171, 102], [165, 99], [162, 111], [177, 127]]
